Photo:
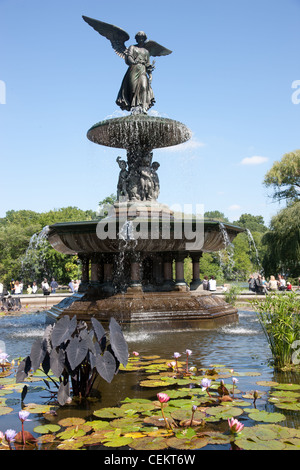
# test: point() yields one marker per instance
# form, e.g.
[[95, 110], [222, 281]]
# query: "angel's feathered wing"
[[156, 49], [116, 36]]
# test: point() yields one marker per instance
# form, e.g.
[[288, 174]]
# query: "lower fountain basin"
[[141, 131], [88, 237]]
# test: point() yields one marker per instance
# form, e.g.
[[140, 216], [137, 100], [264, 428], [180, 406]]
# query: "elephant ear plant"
[[76, 354]]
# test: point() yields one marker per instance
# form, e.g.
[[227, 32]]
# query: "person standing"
[[34, 287], [45, 287], [53, 285], [251, 282]]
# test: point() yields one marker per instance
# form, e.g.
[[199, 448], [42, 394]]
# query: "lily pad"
[[266, 417], [267, 383], [98, 424], [112, 413], [224, 411], [71, 433], [66, 422], [259, 445], [181, 415], [288, 387], [149, 443], [187, 444], [36, 408], [47, 428], [5, 410], [70, 445]]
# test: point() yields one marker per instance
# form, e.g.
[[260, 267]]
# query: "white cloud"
[[255, 160], [234, 207], [191, 144]]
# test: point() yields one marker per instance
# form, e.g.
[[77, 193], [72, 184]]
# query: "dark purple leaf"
[[63, 330], [24, 393], [118, 342], [63, 393], [98, 328], [46, 364], [106, 366], [76, 351], [23, 369], [57, 361], [37, 354]]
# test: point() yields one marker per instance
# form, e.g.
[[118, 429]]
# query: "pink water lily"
[[163, 397], [235, 425]]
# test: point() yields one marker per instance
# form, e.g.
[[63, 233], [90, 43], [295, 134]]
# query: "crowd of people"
[[16, 287], [259, 285]]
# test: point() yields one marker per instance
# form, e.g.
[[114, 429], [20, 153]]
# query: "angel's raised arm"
[[114, 34]]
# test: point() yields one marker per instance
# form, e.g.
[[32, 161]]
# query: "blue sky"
[[229, 79]]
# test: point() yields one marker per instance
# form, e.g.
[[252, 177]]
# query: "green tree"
[[216, 215], [284, 177], [254, 223], [21, 258], [283, 242]]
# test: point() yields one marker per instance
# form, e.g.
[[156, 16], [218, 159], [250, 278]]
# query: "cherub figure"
[[123, 176]]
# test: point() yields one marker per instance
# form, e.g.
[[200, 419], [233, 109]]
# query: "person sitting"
[[272, 283], [212, 284]]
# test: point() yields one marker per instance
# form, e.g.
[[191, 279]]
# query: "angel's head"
[[140, 37]]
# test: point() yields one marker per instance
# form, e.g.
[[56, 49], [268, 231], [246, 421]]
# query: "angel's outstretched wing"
[[117, 36], [156, 49]]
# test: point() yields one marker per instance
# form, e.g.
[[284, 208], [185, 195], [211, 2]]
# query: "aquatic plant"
[[77, 355], [279, 317], [194, 421]]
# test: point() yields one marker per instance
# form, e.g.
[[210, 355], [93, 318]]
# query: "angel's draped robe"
[[135, 89]]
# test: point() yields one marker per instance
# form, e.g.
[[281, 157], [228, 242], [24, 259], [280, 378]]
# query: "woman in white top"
[[272, 283], [212, 284], [17, 288]]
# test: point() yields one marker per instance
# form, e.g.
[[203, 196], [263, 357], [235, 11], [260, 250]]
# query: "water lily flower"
[[163, 398], [234, 381], [3, 359], [23, 415], [172, 364], [177, 355], [206, 383], [235, 425], [135, 353], [188, 353], [10, 435]]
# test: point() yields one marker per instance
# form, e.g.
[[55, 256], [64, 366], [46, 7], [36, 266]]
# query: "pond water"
[[240, 346]]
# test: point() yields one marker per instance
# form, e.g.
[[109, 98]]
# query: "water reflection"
[[241, 346]]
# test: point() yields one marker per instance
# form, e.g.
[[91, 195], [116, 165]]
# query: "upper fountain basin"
[[139, 131]]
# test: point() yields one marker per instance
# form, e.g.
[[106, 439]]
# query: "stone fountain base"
[[150, 311]]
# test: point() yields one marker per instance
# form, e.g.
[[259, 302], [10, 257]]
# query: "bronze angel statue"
[[135, 94]]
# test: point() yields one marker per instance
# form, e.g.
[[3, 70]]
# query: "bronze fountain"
[[133, 258]]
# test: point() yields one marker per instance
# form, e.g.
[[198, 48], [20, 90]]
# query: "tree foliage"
[[283, 242], [20, 261], [284, 177]]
